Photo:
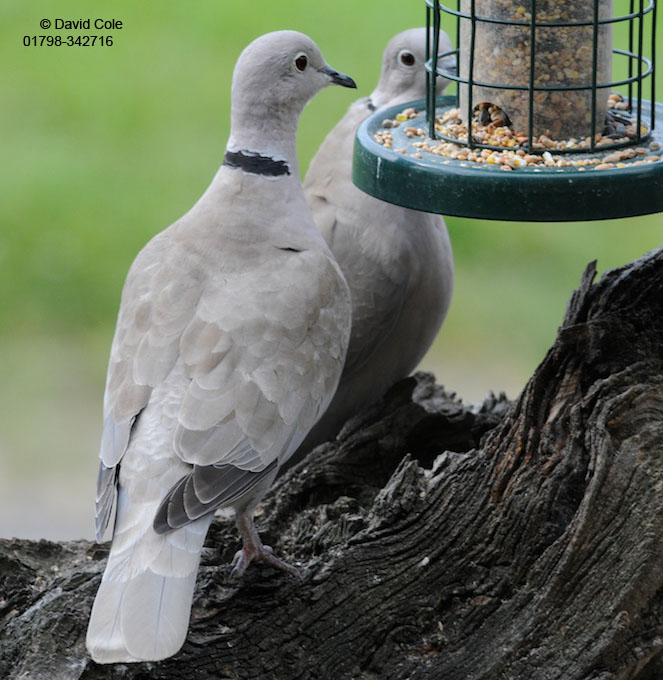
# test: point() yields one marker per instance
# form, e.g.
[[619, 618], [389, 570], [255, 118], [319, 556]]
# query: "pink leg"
[[253, 549]]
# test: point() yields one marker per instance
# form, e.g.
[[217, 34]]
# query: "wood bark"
[[436, 540]]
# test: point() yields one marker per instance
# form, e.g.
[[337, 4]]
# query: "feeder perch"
[[539, 128]]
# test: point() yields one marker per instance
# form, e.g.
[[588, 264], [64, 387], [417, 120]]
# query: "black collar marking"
[[253, 162], [370, 104]]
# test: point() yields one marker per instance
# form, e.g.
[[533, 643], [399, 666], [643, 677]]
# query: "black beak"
[[338, 78], [448, 64]]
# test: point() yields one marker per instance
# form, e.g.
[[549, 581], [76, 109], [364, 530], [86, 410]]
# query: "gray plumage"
[[231, 335], [398, 262]]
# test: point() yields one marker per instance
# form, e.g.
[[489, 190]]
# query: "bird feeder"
[[541, 127]]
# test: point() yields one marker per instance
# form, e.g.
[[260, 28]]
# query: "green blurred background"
[[104, 147]]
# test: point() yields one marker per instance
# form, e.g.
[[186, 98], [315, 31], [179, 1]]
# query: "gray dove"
[[231, 336], [398, 262]]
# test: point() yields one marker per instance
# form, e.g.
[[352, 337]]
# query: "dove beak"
[[338, 78], [448, 64]]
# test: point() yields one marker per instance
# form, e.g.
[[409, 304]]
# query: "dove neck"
[[382, 97], [378, 99], [268, 134]]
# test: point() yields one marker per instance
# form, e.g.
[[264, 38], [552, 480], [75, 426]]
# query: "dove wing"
[[158, 299], [261, 357], [264, 356]]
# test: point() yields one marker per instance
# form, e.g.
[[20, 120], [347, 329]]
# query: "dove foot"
[[253, 550], [262, 553]]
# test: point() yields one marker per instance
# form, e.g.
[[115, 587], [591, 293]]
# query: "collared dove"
[[398, 262], [231, 335]]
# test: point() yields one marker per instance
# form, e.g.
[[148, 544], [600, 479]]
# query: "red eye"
[[301, 62], [407, 58]]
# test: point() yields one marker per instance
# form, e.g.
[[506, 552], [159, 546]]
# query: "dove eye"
[[406, 58], [301, 62]]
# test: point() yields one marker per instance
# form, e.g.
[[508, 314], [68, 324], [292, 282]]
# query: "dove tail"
[[142, 608], [144, 619]]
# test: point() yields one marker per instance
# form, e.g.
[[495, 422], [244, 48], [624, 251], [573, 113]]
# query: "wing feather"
[[205, 489]]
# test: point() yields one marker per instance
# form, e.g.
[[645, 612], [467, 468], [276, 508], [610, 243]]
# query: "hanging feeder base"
[[441, 185]]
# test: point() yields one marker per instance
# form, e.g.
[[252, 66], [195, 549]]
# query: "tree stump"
[[437, 541]]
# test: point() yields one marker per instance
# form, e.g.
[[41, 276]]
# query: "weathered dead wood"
[[535, 553]]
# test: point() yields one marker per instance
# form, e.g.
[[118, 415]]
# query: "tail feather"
[[145, 619], [142, 608]]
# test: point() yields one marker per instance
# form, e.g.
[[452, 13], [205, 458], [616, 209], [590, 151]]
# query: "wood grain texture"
[[515, 541]]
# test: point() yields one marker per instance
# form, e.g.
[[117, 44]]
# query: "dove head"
[[275, 77], [403, 76]]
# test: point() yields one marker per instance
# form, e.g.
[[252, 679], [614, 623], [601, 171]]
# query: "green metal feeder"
[[542, 69]]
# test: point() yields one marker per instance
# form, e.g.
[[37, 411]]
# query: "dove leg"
[[253, 549]]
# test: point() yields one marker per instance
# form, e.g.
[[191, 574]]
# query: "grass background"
[[104, 147]]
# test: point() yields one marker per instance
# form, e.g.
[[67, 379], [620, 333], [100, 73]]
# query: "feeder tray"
[[465, 189]]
